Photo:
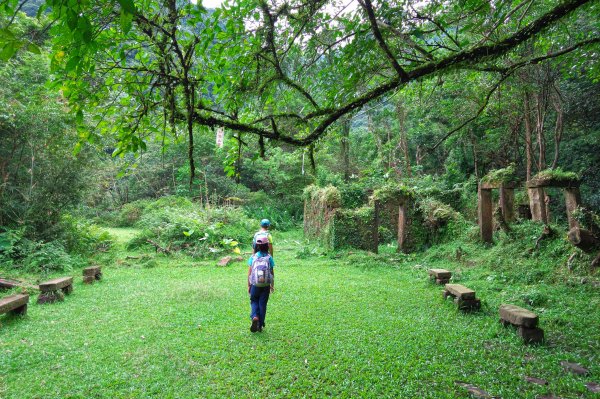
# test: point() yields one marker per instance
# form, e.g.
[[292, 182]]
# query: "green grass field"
[[343, 327]]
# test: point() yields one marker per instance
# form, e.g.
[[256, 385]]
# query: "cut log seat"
[[463, 297], [53, 290], [92, 273], [15, 304], [525, 320], [441, 276]]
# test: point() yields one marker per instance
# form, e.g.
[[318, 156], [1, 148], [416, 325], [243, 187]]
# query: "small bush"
[[19, 252], [82, 237], [131, 213], [49, 257], [183, 226]]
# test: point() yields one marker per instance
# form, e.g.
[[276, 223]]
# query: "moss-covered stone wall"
[[319, 207], [353, 228]]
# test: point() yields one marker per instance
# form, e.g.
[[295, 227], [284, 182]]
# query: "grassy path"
[[343, 328]]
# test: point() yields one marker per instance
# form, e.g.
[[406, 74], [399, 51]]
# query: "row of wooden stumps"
[[50, 291], [524, 320], [537, 203]]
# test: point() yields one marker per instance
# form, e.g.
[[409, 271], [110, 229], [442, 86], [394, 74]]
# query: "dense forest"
[[154, 132]]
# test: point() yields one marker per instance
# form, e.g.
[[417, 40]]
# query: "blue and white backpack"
[[260, 274]]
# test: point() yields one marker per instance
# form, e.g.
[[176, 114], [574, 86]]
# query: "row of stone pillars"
[[537, 203]]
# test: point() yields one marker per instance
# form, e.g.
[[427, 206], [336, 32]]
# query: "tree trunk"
[[528, 145], [401, 112], [474, 149], [558, 129], [345, 148]]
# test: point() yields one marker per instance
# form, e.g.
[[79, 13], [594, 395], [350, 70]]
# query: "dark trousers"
[[259, 296]]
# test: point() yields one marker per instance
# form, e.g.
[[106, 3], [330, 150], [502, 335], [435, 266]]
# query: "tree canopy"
[[284, 70]]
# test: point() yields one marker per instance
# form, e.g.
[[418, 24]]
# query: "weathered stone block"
[[574, 368], [531, 335], [16, 304], [225, 261], [56, 284], [518, 316], [50, 297], [460, 291], [440, 273], [485, 214], [92, 271], [89, 279], [468, 304]]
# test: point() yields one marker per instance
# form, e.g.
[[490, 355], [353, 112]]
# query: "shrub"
[[284, 215], [82, 237], [181, 226], [51, 256], [19, 252]]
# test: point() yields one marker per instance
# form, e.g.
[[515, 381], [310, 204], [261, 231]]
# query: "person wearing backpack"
[[261, 278], [263, 234]]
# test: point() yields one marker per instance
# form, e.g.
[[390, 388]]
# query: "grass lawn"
[[355, 326]]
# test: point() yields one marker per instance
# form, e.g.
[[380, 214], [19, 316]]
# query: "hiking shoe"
[[254, 327]]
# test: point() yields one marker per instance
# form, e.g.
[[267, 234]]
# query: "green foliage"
[[176, 224], [557, 175], [326, 196], [82, 237], [587, 219], [351, 228], [436, 213], [283, 216], [71, 241], [49, 257], [501, 176], [353, 194], [393, 193], [25, 255]]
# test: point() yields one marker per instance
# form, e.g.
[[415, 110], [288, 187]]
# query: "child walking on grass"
[[261, 279], [264, 233]]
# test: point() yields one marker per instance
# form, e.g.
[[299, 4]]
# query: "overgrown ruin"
[[392, 213]]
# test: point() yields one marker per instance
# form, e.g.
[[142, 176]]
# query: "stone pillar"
[[507, 203], [537, 203], [376, 206], [402, 216], [484, 212], [572, 201]]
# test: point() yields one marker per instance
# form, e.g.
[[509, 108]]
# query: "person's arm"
[[249, 271], [272, 264]]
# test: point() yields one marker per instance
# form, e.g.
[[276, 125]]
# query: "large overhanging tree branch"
[[287, 72], [469, 57]]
